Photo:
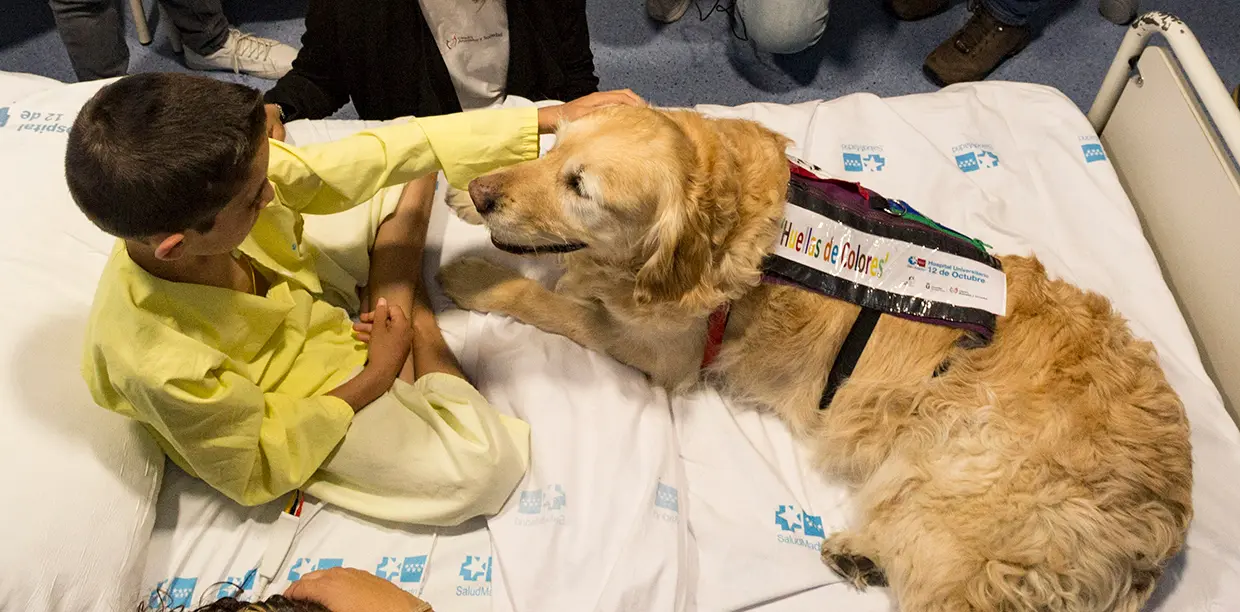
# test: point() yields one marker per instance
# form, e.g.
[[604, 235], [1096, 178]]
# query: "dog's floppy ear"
[[731, 171], [679, 252]]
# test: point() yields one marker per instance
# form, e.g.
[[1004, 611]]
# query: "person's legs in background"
[[94, 35], [1013, 12], [997, 30], [667, 11], [210, 44], [773, 26], [782, 26], [1119, 12], [93, 32], [201, 23]]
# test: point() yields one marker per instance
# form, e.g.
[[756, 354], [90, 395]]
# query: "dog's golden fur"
[[1049, 470]]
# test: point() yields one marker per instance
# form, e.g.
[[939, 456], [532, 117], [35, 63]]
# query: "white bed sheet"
[[80, 483], [638, 501]]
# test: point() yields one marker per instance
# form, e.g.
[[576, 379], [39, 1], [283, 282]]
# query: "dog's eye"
[[574, 182]]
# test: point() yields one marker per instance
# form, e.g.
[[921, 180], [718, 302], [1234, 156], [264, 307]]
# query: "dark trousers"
[[94, 32], [1013, 12]]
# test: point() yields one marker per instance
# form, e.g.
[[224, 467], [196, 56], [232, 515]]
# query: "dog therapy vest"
[[844, 241]]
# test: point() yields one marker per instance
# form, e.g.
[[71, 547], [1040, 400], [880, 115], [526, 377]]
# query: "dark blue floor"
[[698, 60]]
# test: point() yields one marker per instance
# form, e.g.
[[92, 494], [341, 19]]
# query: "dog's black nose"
[[485, 194]]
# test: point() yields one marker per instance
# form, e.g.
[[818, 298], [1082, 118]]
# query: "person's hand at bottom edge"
[[341, 589]]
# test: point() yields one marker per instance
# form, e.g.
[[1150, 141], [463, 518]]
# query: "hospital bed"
[[637, 500]]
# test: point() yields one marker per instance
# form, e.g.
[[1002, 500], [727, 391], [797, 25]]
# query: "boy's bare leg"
[[396, 275]]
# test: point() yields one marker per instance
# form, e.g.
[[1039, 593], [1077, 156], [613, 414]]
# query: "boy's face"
[[233, 223]]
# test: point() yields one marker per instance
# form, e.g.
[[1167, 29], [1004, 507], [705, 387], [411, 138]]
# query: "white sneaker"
[[261, 57]]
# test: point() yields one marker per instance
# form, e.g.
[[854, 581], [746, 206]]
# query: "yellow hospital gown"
[[233, 386]]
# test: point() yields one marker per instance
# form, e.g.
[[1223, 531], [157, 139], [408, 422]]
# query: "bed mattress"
[[640, 501]]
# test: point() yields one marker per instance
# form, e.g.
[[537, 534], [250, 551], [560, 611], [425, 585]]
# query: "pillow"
[[79, 482]]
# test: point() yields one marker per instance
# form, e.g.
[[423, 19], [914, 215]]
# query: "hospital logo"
[[36, 121], [971, 157], [916, 262], [476, 572], [177, 593], [667, 497], [240, 588], [666, 503], [476, 568], [972, 162], [401, 570], [796, 527], [1093, 153], [306, 565], [541, 506], [455, 40], [863, 158]]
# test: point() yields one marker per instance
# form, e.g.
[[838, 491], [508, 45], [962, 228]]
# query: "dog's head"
[[683, 202]]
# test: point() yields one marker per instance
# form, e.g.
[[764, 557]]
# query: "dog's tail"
[[1004, 586]]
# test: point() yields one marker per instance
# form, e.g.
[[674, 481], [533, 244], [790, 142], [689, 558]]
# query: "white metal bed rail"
[[1167, 123], [1192, 59]]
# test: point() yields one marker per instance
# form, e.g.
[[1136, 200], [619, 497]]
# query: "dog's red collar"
[[715, 326]]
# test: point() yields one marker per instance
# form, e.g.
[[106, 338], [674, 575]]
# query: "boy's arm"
[[334, 176], [249, 445]]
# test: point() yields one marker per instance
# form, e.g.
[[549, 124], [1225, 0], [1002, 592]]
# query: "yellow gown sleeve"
[[334, 176], [251, 446], [432, 453]]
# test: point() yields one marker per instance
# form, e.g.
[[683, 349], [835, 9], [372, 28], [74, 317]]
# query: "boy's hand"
[[352, 590], [390, 337], [275, 128], [551, 116]]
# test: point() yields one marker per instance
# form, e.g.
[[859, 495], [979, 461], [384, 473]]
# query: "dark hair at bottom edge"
[[275, 603]]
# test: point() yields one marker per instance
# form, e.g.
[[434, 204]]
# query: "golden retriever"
[[1047, 471]]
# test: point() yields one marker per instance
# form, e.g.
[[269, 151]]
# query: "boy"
[[212, 326]]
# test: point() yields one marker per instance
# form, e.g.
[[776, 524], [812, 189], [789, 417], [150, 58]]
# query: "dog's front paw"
[[463, 205], [477, 284], [858, 569]]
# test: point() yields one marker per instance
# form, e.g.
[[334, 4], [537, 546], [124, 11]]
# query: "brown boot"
[[976, 50], [912, 10]]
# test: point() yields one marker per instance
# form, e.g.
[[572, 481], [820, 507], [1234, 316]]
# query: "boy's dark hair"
[[161, 153], [275, 603]]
